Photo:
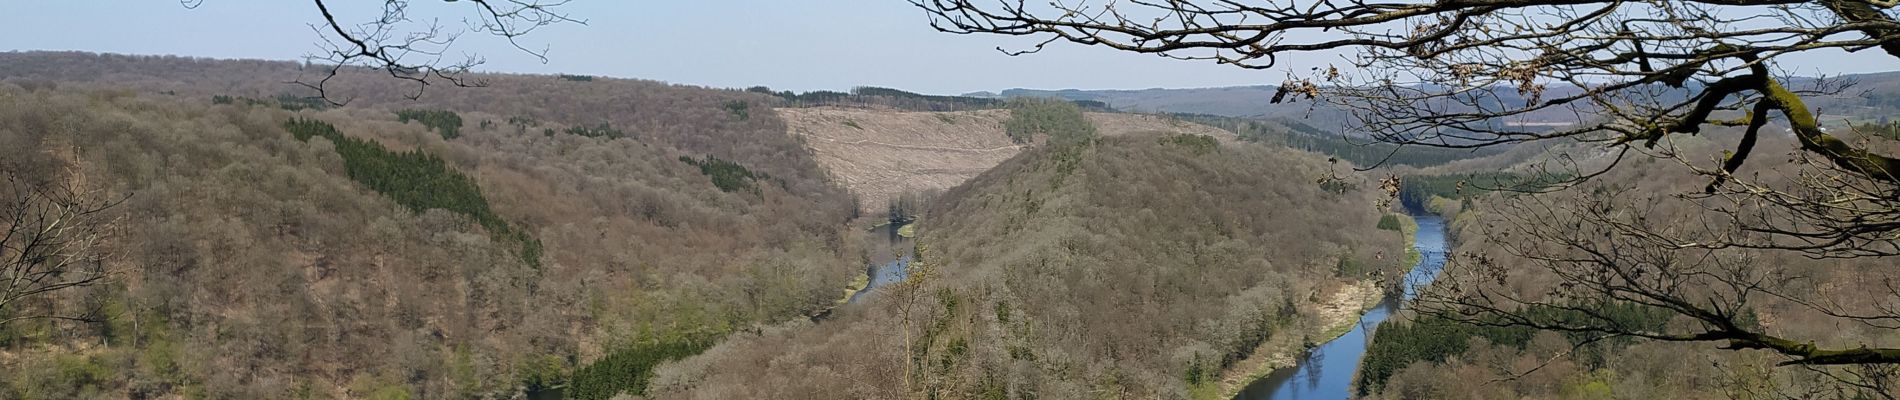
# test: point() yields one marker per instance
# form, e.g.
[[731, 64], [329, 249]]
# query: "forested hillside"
[[279, 249], [1137, 266], [687, 119], [1428, 357]]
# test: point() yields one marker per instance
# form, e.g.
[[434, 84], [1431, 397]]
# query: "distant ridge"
[[1234, 101], [1869, 96]]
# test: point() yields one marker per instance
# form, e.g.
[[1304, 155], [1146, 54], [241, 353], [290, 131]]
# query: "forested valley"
[[1141, 265], [604, 237], [1648, 208]]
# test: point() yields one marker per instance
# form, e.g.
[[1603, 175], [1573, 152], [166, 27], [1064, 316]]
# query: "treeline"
[[1416, 191], [417, 180], [445, 122], [288, 102], [1093, 105], [1884, 128], [877, 96], [1361, 152], [1884, 100], [1060, 122], [691, 120]]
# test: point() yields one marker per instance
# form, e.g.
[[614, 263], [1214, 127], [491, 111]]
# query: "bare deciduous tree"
[[51, 243]]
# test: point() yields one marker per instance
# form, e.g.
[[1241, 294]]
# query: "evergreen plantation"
[[442, 121], [417, 180]]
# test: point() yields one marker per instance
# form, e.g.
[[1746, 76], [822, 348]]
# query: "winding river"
[[1327, 371]]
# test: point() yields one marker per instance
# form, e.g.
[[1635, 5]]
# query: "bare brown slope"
[[878, 154]]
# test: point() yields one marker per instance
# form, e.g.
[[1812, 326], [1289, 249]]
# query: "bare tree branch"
[[51, 242], [417, 52], [1482, 73]]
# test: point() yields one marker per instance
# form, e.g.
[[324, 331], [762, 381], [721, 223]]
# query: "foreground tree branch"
[[395, 44], [50, 245]]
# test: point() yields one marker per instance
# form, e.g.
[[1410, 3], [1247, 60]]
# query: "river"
[[1326, 372], [890, 260]]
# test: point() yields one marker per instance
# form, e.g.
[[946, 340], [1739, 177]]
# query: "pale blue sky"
[[785, 44]]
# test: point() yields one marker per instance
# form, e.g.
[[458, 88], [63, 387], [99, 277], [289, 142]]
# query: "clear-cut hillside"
[[880, 153]]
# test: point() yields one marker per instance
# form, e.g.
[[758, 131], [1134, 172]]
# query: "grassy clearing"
[[857, 285], [1408, 229]]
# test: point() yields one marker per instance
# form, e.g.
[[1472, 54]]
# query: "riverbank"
[[1317, 361], [858, 284], [1408, 233], [1336, 316]]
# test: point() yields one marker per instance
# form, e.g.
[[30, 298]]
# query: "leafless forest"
[[248, 265], [1641, 202]]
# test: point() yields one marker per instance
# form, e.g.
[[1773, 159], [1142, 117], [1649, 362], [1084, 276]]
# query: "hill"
[[536, 233], [1140, 265]]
